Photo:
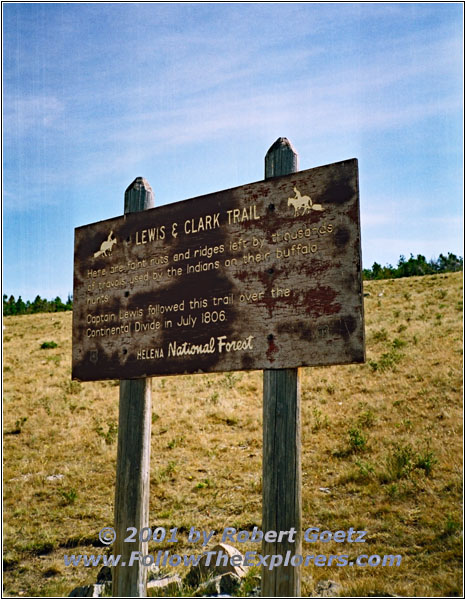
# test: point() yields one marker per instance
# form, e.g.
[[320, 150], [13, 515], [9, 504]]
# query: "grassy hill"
[[382, 450]]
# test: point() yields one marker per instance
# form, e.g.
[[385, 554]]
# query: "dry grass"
[[385, 438]]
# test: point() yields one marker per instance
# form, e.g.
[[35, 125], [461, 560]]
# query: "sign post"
[[281, 452], [133, 454]]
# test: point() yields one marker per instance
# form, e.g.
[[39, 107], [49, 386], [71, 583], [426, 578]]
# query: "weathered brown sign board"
[[263, 276]]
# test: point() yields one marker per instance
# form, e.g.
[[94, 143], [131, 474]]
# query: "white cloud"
[[25, 113], [206, 85]]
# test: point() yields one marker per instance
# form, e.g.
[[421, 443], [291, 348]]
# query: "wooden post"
[[281, 462], [133, 455]]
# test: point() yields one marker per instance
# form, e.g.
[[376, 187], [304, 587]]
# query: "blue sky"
[[191, 96]]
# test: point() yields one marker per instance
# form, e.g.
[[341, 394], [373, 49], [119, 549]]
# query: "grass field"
[[383, 438]]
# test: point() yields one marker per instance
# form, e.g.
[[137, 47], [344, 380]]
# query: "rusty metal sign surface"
[[263, 276]]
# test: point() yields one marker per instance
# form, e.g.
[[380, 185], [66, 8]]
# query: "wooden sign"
[[263, 276]]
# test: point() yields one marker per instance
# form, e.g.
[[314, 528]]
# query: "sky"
[[192, 95]]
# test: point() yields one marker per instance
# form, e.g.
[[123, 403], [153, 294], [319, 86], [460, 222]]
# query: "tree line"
[[404, 268], [19, 307], [415, 266]]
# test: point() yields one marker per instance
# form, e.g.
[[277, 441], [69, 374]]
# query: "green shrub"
[[397, 343], [403, 460], [357, 440], [451, 526], [400, 462], [366, 418], [365, 468], [425, 461], [46, 345], [110, 435], [69, 496], [320, 421], [381, 335], [388, 360]]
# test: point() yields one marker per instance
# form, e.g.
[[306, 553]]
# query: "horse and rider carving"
[[302, 202], [106, 246]]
